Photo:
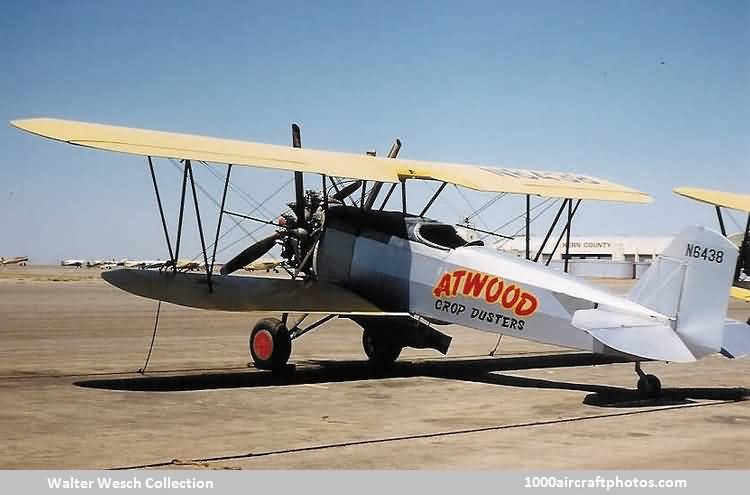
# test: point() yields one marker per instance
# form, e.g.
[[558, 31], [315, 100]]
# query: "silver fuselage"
[[471, 286]]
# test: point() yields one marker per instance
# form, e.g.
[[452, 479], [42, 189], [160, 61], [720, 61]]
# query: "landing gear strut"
[[649, 386], [270, 344]]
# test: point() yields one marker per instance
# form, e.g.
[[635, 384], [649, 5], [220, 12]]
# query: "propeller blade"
[[250, 254], [347, 191], [296, 136], [299, 187], [395, 148], [392, 153]]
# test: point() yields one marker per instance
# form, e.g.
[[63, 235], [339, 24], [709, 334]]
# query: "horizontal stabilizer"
[[639, 336], [736, 343], [240, 293]]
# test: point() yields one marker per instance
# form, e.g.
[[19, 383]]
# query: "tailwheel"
[[649, 386], [381, 349], [270, 344]]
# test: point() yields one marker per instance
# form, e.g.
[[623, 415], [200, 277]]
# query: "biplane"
[[401, 275], [14, 260], [263, 265], [733, 201], [73, 262]]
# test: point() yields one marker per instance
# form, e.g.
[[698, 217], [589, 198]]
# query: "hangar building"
[[595, 256]]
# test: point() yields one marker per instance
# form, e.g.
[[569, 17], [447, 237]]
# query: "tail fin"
[[690, 283]]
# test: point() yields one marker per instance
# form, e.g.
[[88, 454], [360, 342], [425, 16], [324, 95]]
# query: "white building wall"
[[610, 247], [596, 256]]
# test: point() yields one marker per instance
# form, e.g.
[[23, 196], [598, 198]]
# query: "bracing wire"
[[254, 231], [531, 220], [252, 202], [153, 339], [237, 223], [486, 205], [466, 200], [497, 345], [734, 221], [521, 215]]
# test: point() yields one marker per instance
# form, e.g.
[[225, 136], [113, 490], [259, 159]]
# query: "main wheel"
[[270, 344], [380, 348], [649, 386]]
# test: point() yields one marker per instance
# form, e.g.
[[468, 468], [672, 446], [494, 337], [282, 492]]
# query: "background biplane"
[[733, 201], [400, 274], [14, 260]]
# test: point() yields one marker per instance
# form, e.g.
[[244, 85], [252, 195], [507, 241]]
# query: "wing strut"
[[179, 223], [325, 193], [174, 256], [743, 263], [550, 230], [565, 232], [432, 199], [161, 208], [221, 215], [387, 196], [189, 168], [528, 222], [721, 220], [403, 196]]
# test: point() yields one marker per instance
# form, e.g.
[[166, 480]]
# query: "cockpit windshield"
[[438, 235], [441, 234]]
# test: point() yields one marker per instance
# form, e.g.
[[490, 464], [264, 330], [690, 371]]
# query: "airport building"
[[595, 256]]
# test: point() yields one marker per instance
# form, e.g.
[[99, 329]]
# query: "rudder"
[[690, 284]]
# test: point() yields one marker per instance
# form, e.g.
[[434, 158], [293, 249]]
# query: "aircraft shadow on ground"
[[609, 396], [483, 370]]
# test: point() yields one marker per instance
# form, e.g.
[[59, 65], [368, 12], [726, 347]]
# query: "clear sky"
[[649, 94]]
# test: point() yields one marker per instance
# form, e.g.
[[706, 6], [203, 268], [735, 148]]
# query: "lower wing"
[[240, 293]]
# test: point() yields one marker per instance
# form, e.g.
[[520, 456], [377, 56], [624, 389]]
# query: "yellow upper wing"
[[190, 147], [718, 198], [740, 293]]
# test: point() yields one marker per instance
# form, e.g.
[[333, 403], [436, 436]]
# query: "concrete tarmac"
[[71, 346]]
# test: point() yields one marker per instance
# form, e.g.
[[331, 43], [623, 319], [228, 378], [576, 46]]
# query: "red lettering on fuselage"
[[492, 289], [443, 287]]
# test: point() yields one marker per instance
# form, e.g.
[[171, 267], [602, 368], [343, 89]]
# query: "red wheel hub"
[[263, 344]]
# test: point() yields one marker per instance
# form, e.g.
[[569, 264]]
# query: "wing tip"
[[20, 123], [689, 192], [46, 127], [32, 125], [715, 197]]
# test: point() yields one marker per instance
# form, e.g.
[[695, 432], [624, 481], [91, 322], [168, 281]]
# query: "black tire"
[[270, 344], [649, 386], [381, 350]]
